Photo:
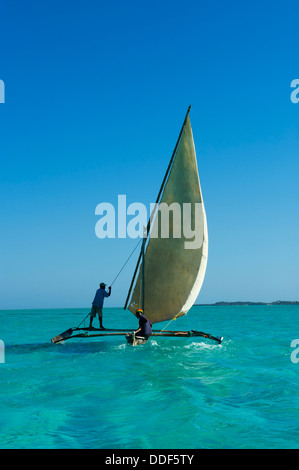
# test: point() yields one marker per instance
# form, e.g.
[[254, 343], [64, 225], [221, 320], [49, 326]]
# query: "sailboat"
[[170, 269]]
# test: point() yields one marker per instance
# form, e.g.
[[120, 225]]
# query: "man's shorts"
[[95, 311]]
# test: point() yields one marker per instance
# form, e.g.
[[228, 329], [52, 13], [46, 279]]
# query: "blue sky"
[[96, 93]]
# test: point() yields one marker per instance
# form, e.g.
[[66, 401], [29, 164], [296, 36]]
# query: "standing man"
[[97, 304]]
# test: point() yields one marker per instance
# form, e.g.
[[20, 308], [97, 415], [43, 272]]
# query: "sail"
[[174, 263]]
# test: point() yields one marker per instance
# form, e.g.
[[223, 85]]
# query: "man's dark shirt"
[[145, 326], [99, 298]]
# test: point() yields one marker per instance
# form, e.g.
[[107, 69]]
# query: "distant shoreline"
[[222, 303]]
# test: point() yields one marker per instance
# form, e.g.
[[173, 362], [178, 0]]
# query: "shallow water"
[[171, 393]]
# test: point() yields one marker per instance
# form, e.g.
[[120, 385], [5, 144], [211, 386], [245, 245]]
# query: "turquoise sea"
[[171, 393]]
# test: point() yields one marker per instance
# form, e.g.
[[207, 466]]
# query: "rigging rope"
[[174, 318], [115, 276], [125, 263]]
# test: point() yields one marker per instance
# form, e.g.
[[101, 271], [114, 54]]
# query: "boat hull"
[[135, 340]]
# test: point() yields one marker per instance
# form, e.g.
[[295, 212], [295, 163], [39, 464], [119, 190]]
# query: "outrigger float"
[[170, 269]]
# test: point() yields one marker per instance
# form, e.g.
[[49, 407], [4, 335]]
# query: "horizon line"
[[215, 304]]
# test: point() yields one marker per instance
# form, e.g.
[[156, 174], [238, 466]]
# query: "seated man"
[[145, 326]]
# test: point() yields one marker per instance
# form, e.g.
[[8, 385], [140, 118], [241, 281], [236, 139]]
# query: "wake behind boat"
[[170, 269]]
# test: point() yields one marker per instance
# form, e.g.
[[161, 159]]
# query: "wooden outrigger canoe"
[[169, 272], [98, 332]]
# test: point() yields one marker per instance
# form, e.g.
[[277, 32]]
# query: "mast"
[[157, 201], [143, 244]]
